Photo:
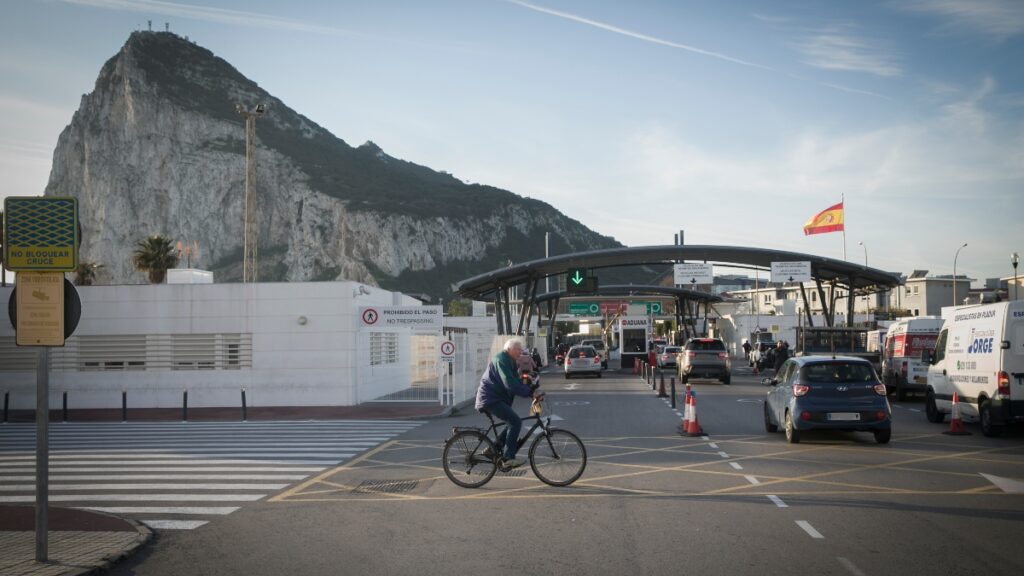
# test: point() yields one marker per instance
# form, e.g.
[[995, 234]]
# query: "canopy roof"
[[855, 277]]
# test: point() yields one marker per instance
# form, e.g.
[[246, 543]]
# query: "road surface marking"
[[89, 477], [778, 501], [212, 510], [175, 524], [752, 480], [705, 438], [138, 498], [713, 446], [851, 567], [723, 454], [809, 529], [914, 410], [296, 489], [736, 465]]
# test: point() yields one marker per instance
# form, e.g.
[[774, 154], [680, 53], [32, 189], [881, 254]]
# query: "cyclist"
[[498, 388]]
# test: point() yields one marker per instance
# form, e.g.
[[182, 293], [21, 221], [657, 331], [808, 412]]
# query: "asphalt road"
[[737, 501]]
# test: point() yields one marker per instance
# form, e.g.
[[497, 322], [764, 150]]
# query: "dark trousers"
[[510, 435]]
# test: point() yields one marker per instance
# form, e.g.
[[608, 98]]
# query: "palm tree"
[[85, 274], [154, 256]]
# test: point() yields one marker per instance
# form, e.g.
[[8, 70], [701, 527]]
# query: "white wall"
[[319, 362]]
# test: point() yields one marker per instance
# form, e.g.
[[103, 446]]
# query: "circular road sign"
[[447, 348], [370, 316]]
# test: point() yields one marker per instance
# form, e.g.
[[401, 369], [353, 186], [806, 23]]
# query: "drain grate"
[[385, 486]]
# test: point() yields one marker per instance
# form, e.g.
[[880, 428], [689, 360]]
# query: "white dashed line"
[[713, 446], [705, 438], [778, 501], [723, 454], [752, 480], [736, 465], [809, 529], [851, 567]]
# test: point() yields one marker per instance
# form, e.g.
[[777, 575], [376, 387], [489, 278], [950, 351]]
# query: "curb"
[[143, 534]]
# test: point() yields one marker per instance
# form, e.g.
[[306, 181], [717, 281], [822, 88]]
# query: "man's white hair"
[[512, 342]]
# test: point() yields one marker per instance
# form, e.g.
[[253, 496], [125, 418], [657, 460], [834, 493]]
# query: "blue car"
[[827, 393]]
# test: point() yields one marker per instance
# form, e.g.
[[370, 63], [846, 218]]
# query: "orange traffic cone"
[[693, 425], [687, 411], [956, 423]]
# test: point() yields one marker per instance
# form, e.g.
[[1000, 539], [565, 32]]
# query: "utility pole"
[[250, 229]]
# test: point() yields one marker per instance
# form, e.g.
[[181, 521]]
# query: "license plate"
[[844, 415]]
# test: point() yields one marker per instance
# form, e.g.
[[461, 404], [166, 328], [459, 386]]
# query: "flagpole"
[[842, 200]]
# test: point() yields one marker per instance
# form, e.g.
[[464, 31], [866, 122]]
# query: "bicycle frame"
[[494, 431]]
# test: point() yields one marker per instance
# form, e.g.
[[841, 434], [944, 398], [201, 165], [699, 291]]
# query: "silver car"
[[582, 360]]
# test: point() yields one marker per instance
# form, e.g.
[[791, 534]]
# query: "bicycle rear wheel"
[[558, 457], [464, 460]]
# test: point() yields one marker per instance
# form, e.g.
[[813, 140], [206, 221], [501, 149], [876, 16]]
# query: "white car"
[[602, 350], [582, 360]]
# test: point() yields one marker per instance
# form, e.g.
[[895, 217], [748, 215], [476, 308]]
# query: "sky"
[[733, 121]]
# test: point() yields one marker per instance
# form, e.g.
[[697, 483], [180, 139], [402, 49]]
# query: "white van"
[[902, 369], [979, 355]]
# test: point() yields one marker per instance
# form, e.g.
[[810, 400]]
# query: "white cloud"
[[211, 14], [998, 19], [837, 51]]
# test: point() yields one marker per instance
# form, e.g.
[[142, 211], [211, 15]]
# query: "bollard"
[[65, 409], [244, 418], [124, 405], [7, 403], [673, 392], [184, 406], [661, 387]]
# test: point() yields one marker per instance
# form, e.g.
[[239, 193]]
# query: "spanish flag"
[[828, 220]]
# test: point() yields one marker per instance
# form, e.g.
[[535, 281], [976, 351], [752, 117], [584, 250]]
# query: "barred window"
[[383, 348]]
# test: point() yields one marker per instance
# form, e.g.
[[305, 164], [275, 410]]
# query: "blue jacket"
[[500, 382]]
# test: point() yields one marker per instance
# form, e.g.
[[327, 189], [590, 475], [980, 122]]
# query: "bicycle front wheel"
[[558, 457], [464, 461]]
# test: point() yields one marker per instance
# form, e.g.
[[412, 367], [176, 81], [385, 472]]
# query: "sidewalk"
[[78, 541]]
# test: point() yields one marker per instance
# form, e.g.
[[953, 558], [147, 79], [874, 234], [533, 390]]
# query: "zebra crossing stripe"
[[185, 510], [175, 524], [137, 498]]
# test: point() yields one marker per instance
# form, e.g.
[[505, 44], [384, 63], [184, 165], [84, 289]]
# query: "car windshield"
[[596, 344], [705, 344], [672, 349], [836, 372], [585, 351]]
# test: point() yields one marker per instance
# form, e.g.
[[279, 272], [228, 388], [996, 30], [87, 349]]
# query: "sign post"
[[799, 271], [693, 273], [41, 243]]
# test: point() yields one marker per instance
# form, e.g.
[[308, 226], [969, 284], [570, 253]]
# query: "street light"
[[864, 246], [957, 255], [1014, 259]]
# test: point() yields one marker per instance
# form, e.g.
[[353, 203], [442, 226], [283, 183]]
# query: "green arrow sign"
[[584, 308], [577, 276]]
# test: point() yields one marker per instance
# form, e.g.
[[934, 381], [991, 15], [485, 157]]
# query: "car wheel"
[[985, 417], [792, 434], [931, 411], [727, 380], [768, 426], [883, 436], [566, 375]]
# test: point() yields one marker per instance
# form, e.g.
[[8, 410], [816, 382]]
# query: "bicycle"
[[472, 456]]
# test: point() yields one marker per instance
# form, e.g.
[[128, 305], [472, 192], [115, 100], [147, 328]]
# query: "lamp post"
[[250, 229], [957, 255], [865, 247], [1014, 259]]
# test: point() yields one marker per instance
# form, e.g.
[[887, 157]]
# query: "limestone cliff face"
[[157, 148]]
